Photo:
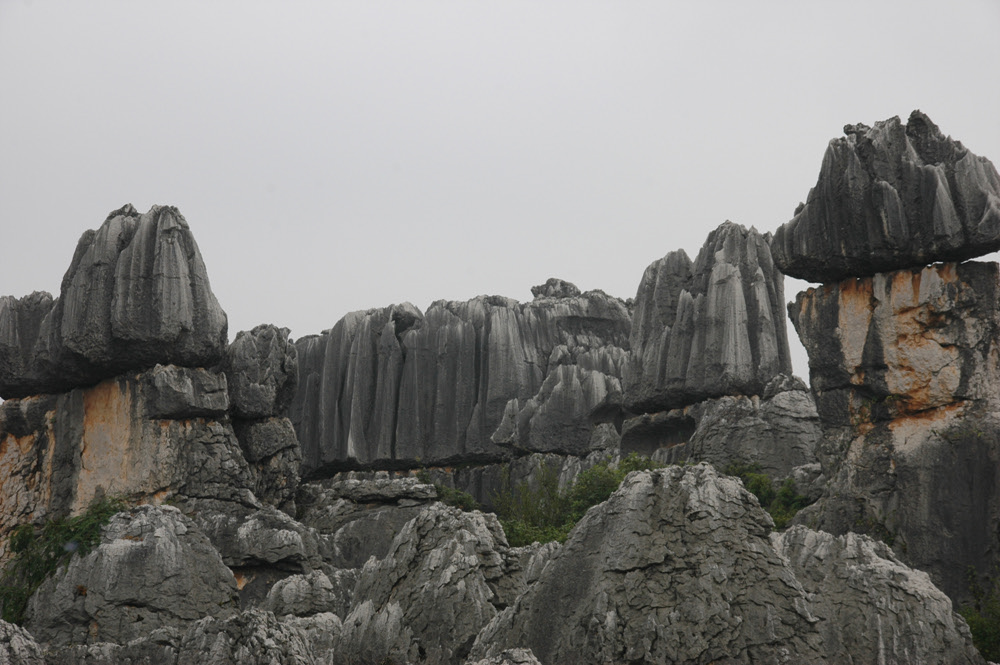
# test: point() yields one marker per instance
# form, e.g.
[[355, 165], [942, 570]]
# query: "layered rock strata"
[[136, 294], [709, 328], [888, 197], [397, 387]]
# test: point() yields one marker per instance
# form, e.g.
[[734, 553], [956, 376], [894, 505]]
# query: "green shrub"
[[456, 497], [544, 513], [781, 504], [983, 616], [39, 552]]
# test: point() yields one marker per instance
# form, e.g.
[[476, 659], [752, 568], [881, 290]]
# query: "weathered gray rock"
[[177, 393], [708, 329], [152, 569], [778, 432], [676, 567], [394, 387], [158, 647], [272, 450], [509, 657], [253, 637], [429, 597], [555, 288], [18, 647], [904, 372], [136, 294], [872, 608], [262, 368], [314, 593], [20, 323], [888, 197], [59, 452], [580, 391]]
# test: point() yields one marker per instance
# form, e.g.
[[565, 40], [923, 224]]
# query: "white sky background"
[[339, 156]]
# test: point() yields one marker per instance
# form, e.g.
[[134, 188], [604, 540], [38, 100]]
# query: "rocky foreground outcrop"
[[679, 566], [888, 197], [397, 387], [136, 294]]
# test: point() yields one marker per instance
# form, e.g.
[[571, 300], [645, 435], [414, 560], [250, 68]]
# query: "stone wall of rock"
[[395, 386], [136, 294], [888, 197], [710, 328]]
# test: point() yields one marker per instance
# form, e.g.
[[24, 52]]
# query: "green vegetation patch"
[[544, 513], [38, 552], [983, 616], [449, 495], [781, 503]]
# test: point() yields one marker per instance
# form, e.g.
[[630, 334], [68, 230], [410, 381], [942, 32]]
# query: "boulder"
[[262, 368], [710, 328], [777, 431], [889, 197], [555, 288], [392, 387], [872, 608], [254, 637], [274, 456], [426, 601], [676, 567], [136, 294], [679, 566], [313, 593], [153, 568], [18, 647]]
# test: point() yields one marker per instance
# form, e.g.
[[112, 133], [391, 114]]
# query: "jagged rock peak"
[[709, 328], [888, 197], [136, 294], [262, 368], [555, 288]]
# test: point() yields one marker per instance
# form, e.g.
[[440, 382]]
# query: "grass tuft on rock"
[[39, 551]]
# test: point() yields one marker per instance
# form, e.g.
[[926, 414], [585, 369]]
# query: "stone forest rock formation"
[[281, 498], [397, 387], [710, 328], [904, 356], [136, 294], [888, 197]]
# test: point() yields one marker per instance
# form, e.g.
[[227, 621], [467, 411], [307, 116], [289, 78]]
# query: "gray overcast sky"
[[334, 156]]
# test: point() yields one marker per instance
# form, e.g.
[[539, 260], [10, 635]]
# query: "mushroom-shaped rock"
[[888, 197], [136, 294]]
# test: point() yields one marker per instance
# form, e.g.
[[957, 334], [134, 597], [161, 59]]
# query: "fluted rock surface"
[[710, 328], [136, 294], [904, 370], [393, 386], [870, 605], [152, 569], [888, 197]]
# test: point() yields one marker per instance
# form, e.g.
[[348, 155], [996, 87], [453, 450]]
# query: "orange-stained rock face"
[[58, 453], [901, 343]]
